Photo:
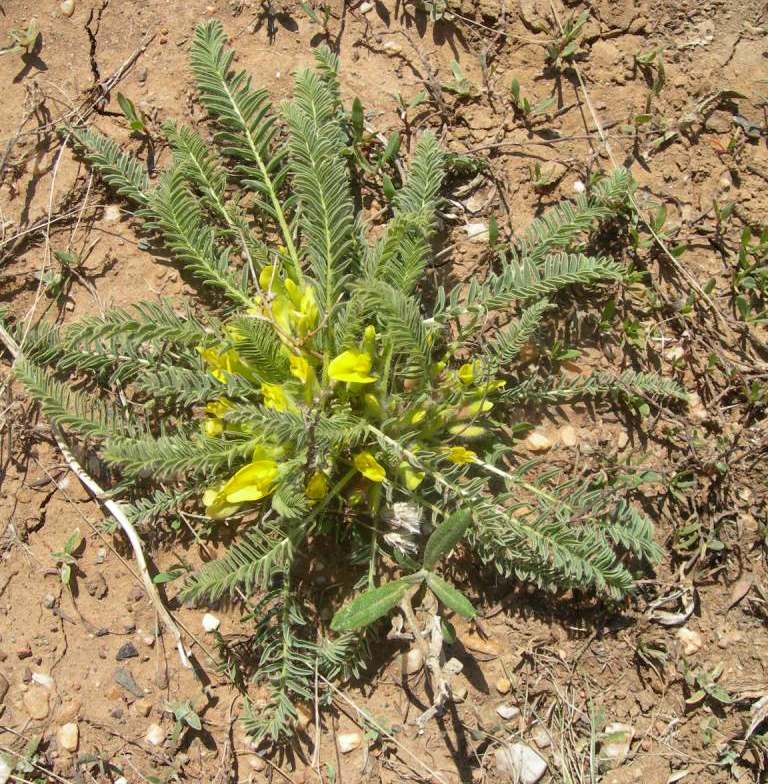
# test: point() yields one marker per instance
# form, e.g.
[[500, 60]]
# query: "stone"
[[127, 651], [210, 622], [43, 679], [68, 736], [604, 54], [4, 686], [541, 736], [614, 747], [459, 693], [412, 661], [69, 711], [155, 734], [124, 678], [36, 702], [143, 707], [96, 586], [67, 7], [477, 232], [349, 741], [568, 435], [503, 685], [519, 763], [112, 213], [538, 442], [365, 8], [507, 711], [691, 640]]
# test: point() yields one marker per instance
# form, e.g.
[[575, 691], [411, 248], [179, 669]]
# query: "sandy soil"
[[570, 664]]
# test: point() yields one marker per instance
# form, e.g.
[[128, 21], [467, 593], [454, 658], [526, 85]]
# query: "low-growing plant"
[[336, 414]]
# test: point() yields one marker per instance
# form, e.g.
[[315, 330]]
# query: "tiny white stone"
[[691, 640], [155, 734], [43, 679], [349, 741], [121, 780], [366, 8], [538, 442], [210, 622], [68, 736], [67, 7], [477, 232], [507, 711], [579, 186], [520, 763], [568, 435], [112, 213]]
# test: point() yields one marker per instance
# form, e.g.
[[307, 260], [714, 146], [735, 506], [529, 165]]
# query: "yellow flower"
[[317, 486], [458, 455], [221, 363], [352, 366], [300, 368], [479, 407], [466, 373], [418, 416], [275, 398], [369, 467], [372, 406], [251, 483], [213, 427]]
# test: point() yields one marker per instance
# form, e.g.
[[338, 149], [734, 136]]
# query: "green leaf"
[[450, 596], [369, 606], [357, 120], [73, 542], [166, 577], [392, 148], [131, 112], [444, 538]]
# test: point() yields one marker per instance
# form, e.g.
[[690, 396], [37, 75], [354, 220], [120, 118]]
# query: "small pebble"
[[210, 622], [127, 651], [49, 601], [257, 763], [503, 685], [67, 7], [155, 734], [538, 442], [36, 702], [43, 679], [691, 640], [349, 741], [507, 711], [143, 707], [68, 736], [365, 8], [112, 214], [568, 435]]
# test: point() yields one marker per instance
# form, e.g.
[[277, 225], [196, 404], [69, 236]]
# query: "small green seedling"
[[23, 40], [651, 64], [524, 107], [185, 717], [703, 685], [66, 558], [135, 117], [459, 84], [565, 42]]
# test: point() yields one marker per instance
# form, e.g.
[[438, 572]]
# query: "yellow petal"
[[275, 397], [352, 366], [300, 368], [459, 455], [466, 373], [317, 487], [369, 467], [411, 476], [251, 483], [213, 427]]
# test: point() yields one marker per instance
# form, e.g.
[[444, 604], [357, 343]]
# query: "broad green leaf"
[[450, 596], [73, 542], [444, 538], [369, 606]]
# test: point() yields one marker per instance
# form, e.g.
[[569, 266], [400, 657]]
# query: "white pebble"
[[210, 622], [538, 442], [67, 7], [520, 763], [5, 771], [121, 780], [68, 736], [507, 711], [476, 232], [365, 8], [43, 679], [691, 640], [579, 186], [155, 734], [112, 213], [349, 741]]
